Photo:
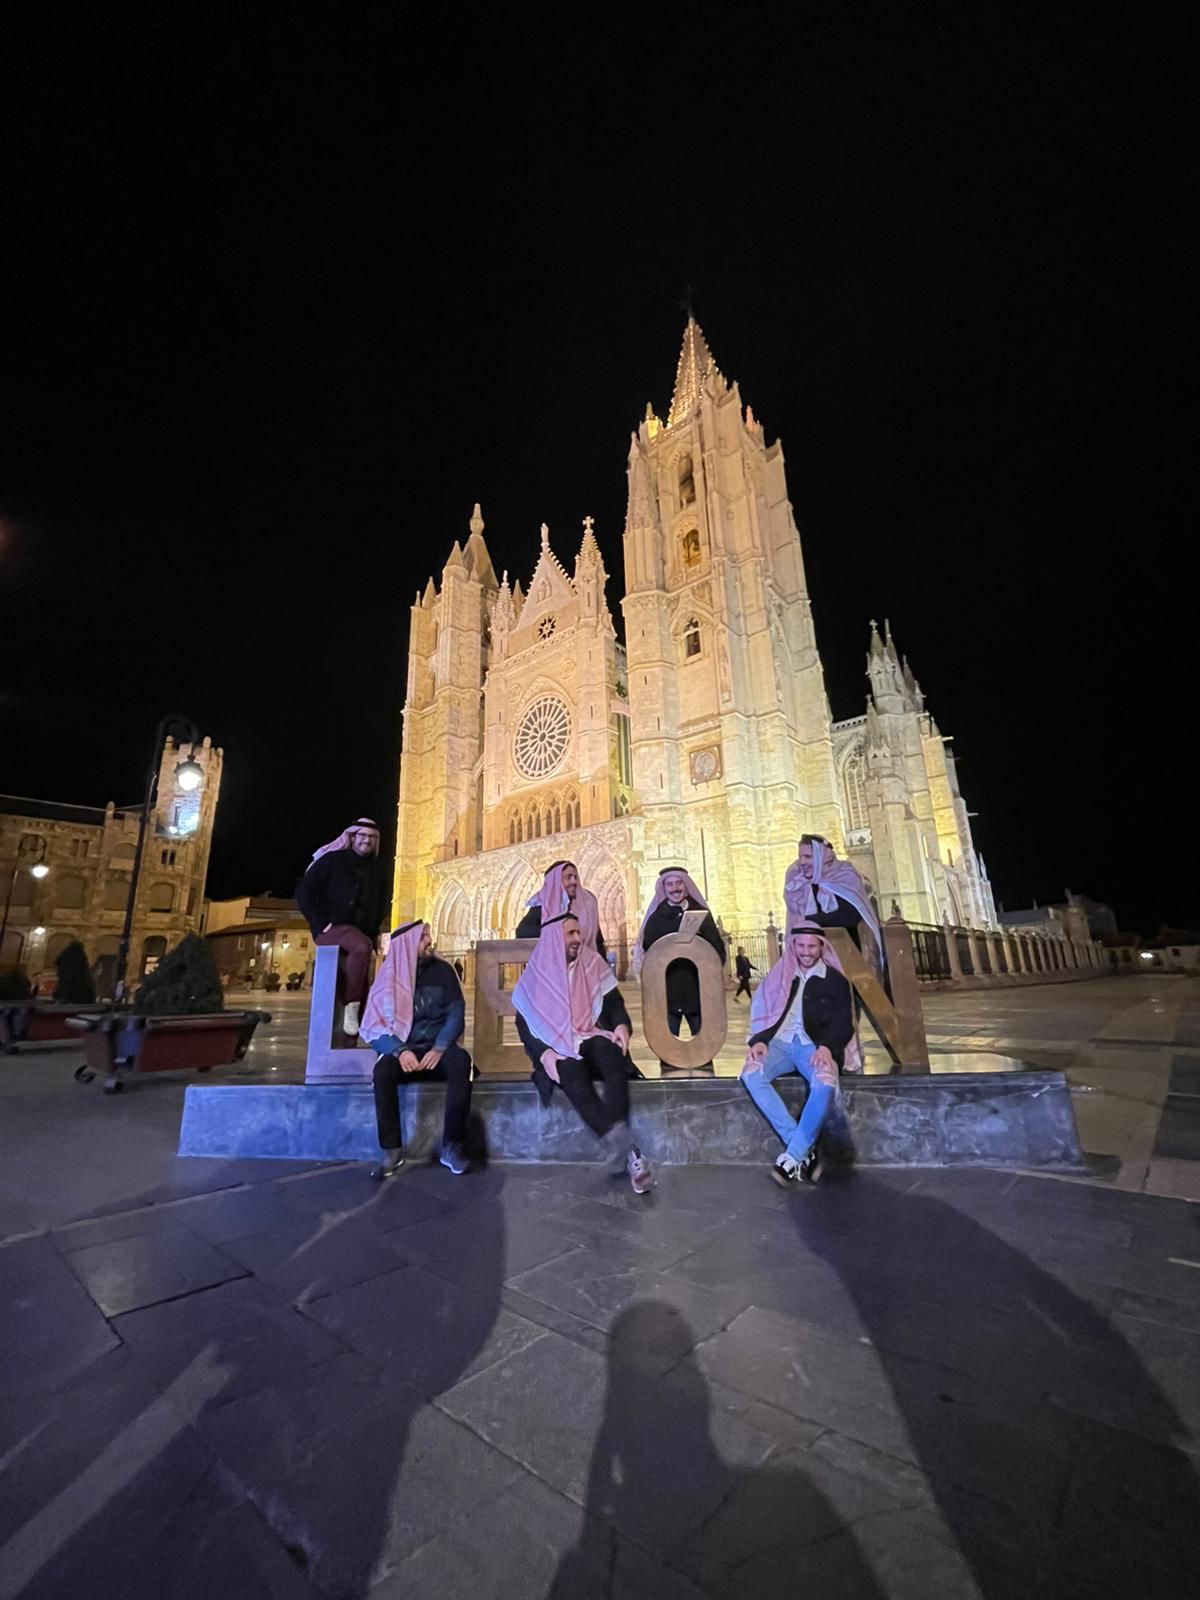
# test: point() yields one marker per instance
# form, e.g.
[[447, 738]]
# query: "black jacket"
[[683, 986], [843, 915], [438, 1009], [530, 926], [344, 887], [612, 1015], [827, 1013], [744, 966]]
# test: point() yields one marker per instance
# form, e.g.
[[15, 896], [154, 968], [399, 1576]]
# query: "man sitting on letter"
[[675, 893], [801, 1020], [567, 894]]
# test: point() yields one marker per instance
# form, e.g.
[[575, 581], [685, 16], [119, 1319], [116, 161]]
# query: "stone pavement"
[[254, 1379]]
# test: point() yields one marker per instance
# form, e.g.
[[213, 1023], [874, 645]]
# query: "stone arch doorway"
[[452, 919], [508, 904]]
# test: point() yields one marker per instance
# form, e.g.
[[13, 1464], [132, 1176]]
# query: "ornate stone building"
[[531, 732], [89, 854]]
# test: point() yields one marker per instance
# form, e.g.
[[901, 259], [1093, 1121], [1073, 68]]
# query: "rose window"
[[542, 737], [545, 627]]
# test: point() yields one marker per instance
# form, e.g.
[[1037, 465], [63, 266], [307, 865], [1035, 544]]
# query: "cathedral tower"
[[730, 723], [439, 813]]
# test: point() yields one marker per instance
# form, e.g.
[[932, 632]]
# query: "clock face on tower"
[[706, 764], [542, 736]]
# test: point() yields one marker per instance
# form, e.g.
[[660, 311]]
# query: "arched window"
[[576, 811], [116, 892], [68, 893], [691, 638], [557, 828], [856, 791], [154, 948], [162, 897], [690, 545], [514, 828], [10, 950], [687, 482]]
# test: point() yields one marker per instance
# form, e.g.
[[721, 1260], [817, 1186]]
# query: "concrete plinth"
[[1009, 1119]]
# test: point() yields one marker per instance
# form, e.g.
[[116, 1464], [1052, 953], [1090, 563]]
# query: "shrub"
[[185, 982], [75, 984], [14, 985]]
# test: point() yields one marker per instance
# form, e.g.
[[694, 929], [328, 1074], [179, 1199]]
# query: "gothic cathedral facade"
[[532, 733]]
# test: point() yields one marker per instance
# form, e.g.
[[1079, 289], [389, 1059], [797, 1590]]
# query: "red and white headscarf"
[[552, 898], [831, 880], [389, 1007], [346, 838], [560, 1002], [696, 902]]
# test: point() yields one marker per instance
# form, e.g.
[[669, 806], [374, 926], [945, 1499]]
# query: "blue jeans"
[[796, 1056]]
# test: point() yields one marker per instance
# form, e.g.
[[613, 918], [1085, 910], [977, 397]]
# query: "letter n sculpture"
[[686, 945]]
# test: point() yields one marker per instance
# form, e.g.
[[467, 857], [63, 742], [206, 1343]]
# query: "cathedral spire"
[[589, 550], [876, 646], [695, 362], [478, 559]]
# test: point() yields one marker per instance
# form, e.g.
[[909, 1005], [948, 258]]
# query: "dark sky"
[[282, 298]]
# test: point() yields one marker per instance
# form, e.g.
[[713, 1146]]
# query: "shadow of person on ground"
[[253, 1438], [1054, 1456], [664, 1478]]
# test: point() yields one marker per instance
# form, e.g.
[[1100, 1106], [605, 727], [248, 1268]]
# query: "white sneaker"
[[786, 1171], [350, 1019]]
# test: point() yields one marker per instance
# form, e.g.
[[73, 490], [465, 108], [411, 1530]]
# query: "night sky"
[[283, 299]]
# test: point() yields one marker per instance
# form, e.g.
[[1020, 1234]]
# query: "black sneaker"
[[813, 1165], [786, 1172], [452, 1157], [392, 1161]]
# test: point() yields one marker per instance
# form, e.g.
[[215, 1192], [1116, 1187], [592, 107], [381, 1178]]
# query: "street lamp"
[[189, 774], [37, 868]]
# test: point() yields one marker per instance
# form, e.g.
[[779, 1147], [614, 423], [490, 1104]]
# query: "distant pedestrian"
[[743, 966]]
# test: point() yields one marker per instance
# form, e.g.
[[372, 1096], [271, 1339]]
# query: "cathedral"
[[531, 732]]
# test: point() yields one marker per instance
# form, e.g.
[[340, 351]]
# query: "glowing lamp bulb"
[[189, 775], [40, 870]]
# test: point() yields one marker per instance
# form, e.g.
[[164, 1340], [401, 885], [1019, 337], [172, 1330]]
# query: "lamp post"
[[36, 861], [189, 774]]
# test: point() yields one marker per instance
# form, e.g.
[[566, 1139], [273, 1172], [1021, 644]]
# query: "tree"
[[14, 985], [185, 982], [75, 986]]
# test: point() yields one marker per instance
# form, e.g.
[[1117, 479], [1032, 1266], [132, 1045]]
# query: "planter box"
[[119, 1043], [40, 1022]]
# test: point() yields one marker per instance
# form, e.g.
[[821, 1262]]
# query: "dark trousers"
[[675, 1021], [743, 987], [355, 965], [601, 1059], [454, 1070]]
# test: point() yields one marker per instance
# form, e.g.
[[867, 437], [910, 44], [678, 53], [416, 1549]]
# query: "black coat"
[[530, 926], [827, 1012], [843, 915], [344, 887], [612, 1015], [683, 986]]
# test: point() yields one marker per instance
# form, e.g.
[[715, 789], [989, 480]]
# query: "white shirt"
[[792, 1027]]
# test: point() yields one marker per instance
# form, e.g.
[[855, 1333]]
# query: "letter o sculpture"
[[714, 1022]]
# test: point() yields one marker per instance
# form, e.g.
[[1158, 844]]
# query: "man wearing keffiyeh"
[[575, 1028], [343, 896], [801, 1020], [414, 1020]]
